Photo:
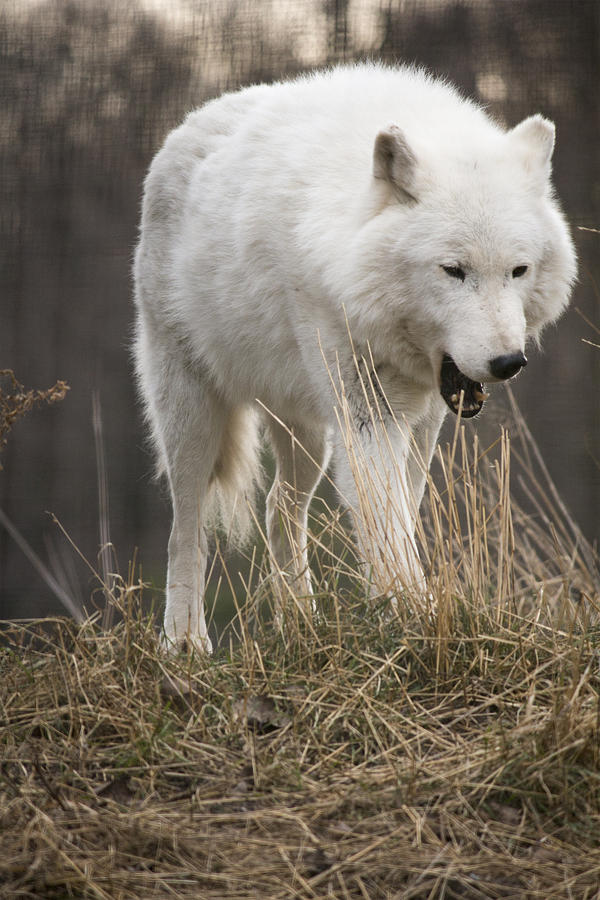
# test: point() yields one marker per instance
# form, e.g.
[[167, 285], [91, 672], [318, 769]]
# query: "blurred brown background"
[[89, 90]]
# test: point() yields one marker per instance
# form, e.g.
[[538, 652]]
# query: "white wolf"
[[364, 201]]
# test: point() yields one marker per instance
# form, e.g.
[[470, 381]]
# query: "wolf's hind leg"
[[189, 424], [301, 456]]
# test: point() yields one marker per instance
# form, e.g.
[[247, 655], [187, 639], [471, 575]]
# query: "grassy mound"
[[448, 748]]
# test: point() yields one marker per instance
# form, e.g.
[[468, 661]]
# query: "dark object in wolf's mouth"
[[452, 382]]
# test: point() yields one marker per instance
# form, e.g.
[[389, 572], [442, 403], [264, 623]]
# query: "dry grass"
[[450, 751], [15, 401]]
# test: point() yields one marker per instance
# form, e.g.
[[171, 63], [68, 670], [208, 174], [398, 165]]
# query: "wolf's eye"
[[519, 271], [454, 272]]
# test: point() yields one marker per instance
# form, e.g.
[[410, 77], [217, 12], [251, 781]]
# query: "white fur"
[[281, 219]]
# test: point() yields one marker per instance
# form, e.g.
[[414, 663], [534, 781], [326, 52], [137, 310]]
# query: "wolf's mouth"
[[453, 382]]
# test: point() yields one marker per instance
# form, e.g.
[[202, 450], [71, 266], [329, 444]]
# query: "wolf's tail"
[[237, 475]]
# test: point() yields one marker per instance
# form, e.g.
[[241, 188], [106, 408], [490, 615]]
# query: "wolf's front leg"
[[371, 474], [302, 455]]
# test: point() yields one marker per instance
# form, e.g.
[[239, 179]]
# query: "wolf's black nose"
[[503, 367]]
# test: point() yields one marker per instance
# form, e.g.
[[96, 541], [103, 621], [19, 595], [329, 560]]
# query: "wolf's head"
[[481, 252]]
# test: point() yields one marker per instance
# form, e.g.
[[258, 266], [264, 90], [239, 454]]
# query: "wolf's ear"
[[535, 138], [395, 162]]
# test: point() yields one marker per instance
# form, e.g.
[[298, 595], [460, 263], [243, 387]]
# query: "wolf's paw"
[[189, 643]]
